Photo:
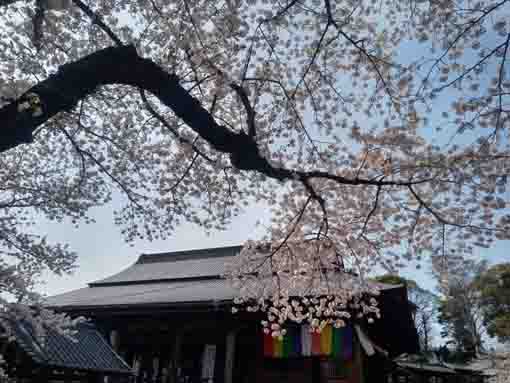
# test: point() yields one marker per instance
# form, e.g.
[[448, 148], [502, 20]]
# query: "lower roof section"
[[196, 291]]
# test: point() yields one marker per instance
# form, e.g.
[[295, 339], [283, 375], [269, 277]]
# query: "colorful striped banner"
[[299, 341]]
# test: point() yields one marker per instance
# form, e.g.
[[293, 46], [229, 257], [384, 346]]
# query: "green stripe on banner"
[[337, 342], [287, 344]]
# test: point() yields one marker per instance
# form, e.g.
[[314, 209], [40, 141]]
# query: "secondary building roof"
[[86, 351]]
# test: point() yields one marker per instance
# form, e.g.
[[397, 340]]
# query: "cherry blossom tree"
[[377, 131]]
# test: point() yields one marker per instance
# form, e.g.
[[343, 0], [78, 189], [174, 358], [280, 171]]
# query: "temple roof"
[[179, 278], [174, 267]]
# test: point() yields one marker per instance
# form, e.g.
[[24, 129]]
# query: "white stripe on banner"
[[306, 341]]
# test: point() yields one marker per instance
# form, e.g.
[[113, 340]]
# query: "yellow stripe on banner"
[[277, 347], [326, 340]]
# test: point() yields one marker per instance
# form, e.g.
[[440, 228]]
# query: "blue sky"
[[103, 252]]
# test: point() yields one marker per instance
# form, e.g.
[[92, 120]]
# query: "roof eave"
[[160, 306]]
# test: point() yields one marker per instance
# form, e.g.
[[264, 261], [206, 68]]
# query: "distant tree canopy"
[[376, 131], [460, 310], [494, 288]]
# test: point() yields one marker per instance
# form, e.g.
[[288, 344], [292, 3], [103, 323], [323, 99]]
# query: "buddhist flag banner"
[[299, 341]]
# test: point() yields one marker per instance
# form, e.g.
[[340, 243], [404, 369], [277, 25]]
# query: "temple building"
[[169, 316]]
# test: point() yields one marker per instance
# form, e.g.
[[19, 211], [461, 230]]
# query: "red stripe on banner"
[[268, 345], [316, 343]]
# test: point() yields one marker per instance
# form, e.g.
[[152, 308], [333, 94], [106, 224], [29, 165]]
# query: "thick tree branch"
[[122, 65], [170, 128], [250, 119]]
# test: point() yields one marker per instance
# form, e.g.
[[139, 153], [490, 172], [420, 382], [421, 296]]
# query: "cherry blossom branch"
[[472, 24], [97, 20], [122, 65], [322, 203], [501, 76], [183, 176], [372, 211], [443, 220], [293, 229], [85, 153], [356, 44], [94, 17], [4, 3], [473, 67]]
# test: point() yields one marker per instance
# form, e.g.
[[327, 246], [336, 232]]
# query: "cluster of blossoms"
[[298, 293], [317, 312]]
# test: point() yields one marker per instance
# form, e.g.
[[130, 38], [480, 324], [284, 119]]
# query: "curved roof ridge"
[[174, 266], [181, 255]]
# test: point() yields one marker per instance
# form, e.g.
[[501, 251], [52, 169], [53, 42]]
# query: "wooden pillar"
[[230, 345], [173, 367], [164, 375], [137, 365], [155, 368]]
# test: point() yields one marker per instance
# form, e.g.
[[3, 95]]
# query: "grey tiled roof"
[[87, 351], [179, 277], [176, 278], [181, 265]]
